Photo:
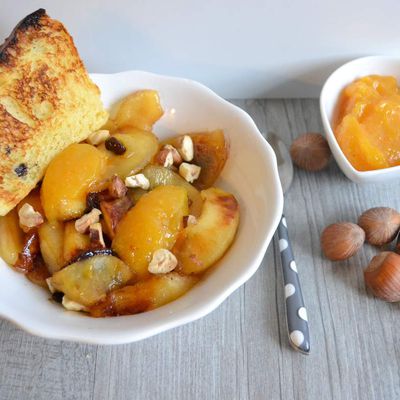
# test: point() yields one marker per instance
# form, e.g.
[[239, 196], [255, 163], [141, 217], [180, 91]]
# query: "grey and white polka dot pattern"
[[297, 319], [302, 313], [283, 244], [289, 290]]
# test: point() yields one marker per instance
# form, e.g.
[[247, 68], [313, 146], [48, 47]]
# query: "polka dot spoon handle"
[[296, 313]]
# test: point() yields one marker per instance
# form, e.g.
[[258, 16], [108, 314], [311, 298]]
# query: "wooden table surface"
[[240, 351]]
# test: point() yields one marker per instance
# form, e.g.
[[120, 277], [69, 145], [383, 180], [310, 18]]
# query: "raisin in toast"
[[47, 102]]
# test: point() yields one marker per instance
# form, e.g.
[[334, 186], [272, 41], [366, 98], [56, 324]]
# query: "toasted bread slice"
[[47, 102]]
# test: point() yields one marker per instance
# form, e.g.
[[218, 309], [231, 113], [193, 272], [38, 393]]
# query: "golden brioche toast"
[[47, 102]]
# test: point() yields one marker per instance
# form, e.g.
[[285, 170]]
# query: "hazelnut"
[[71, 305], [163, 261], [83, 223], [98, 137], [189, 220], [310, 152], [96, 235], [116, 187], [189, 172], [137, 181], [341, 240], [28, 217], [165, 158], [382, 276], [175, 154], [381, 225], [186, 148], [168, 156]]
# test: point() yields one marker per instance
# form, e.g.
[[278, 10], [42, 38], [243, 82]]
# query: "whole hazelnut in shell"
[[381, 225], [310, 152], [382, 276], [341, 240]]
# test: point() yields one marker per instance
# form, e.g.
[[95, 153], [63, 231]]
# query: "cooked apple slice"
[[158, 176], [39, 273], [68, 179], [144, 295], [200, 245], [74, 242], [152, 224], [140, 149], [210, 153], [139, 110], [11, 237], [89, 280], [51, 239]]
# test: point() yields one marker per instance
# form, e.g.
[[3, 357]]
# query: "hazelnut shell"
[[382, 276], [381, 225], [310, 152], [341, 240]]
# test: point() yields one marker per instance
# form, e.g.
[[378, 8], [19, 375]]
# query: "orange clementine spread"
[[367, 123]]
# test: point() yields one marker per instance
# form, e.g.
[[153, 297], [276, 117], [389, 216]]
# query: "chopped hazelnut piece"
[[98, 137], [189, 171], [189, 220], [187, 149], [71, 305], [28, 217], [113, 211], [168, 156], [165, 158], [163, 261], [117, 188], [137, 181], [96, 235], [175, 153], [83, 223]]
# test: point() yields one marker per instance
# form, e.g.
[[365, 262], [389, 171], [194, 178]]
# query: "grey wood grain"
[[240, 351]]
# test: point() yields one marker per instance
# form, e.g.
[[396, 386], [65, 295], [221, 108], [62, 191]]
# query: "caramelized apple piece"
[[39, 273], [140, 149], [88, 281], [11, 237], [51, 238], [113, 211], [139, 110], [158, 176], [145, 295], [210, 153], [74, 242], [68, 180], [202, 244], [153, 223]]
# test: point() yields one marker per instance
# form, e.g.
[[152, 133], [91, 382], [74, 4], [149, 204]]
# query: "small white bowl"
[[250, 173], [337, 81]]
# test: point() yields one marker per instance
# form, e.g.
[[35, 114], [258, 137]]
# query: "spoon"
[[296, 313]]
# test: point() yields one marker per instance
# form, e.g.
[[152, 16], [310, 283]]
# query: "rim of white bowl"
[[189, 314], [352, 173]]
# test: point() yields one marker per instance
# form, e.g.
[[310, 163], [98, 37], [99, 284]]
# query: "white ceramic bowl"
[[380, 65], [250, 173]]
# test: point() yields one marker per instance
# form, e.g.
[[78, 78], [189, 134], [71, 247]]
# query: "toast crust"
[[47, 101]]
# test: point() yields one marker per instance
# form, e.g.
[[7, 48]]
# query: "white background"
[[241, 49]]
